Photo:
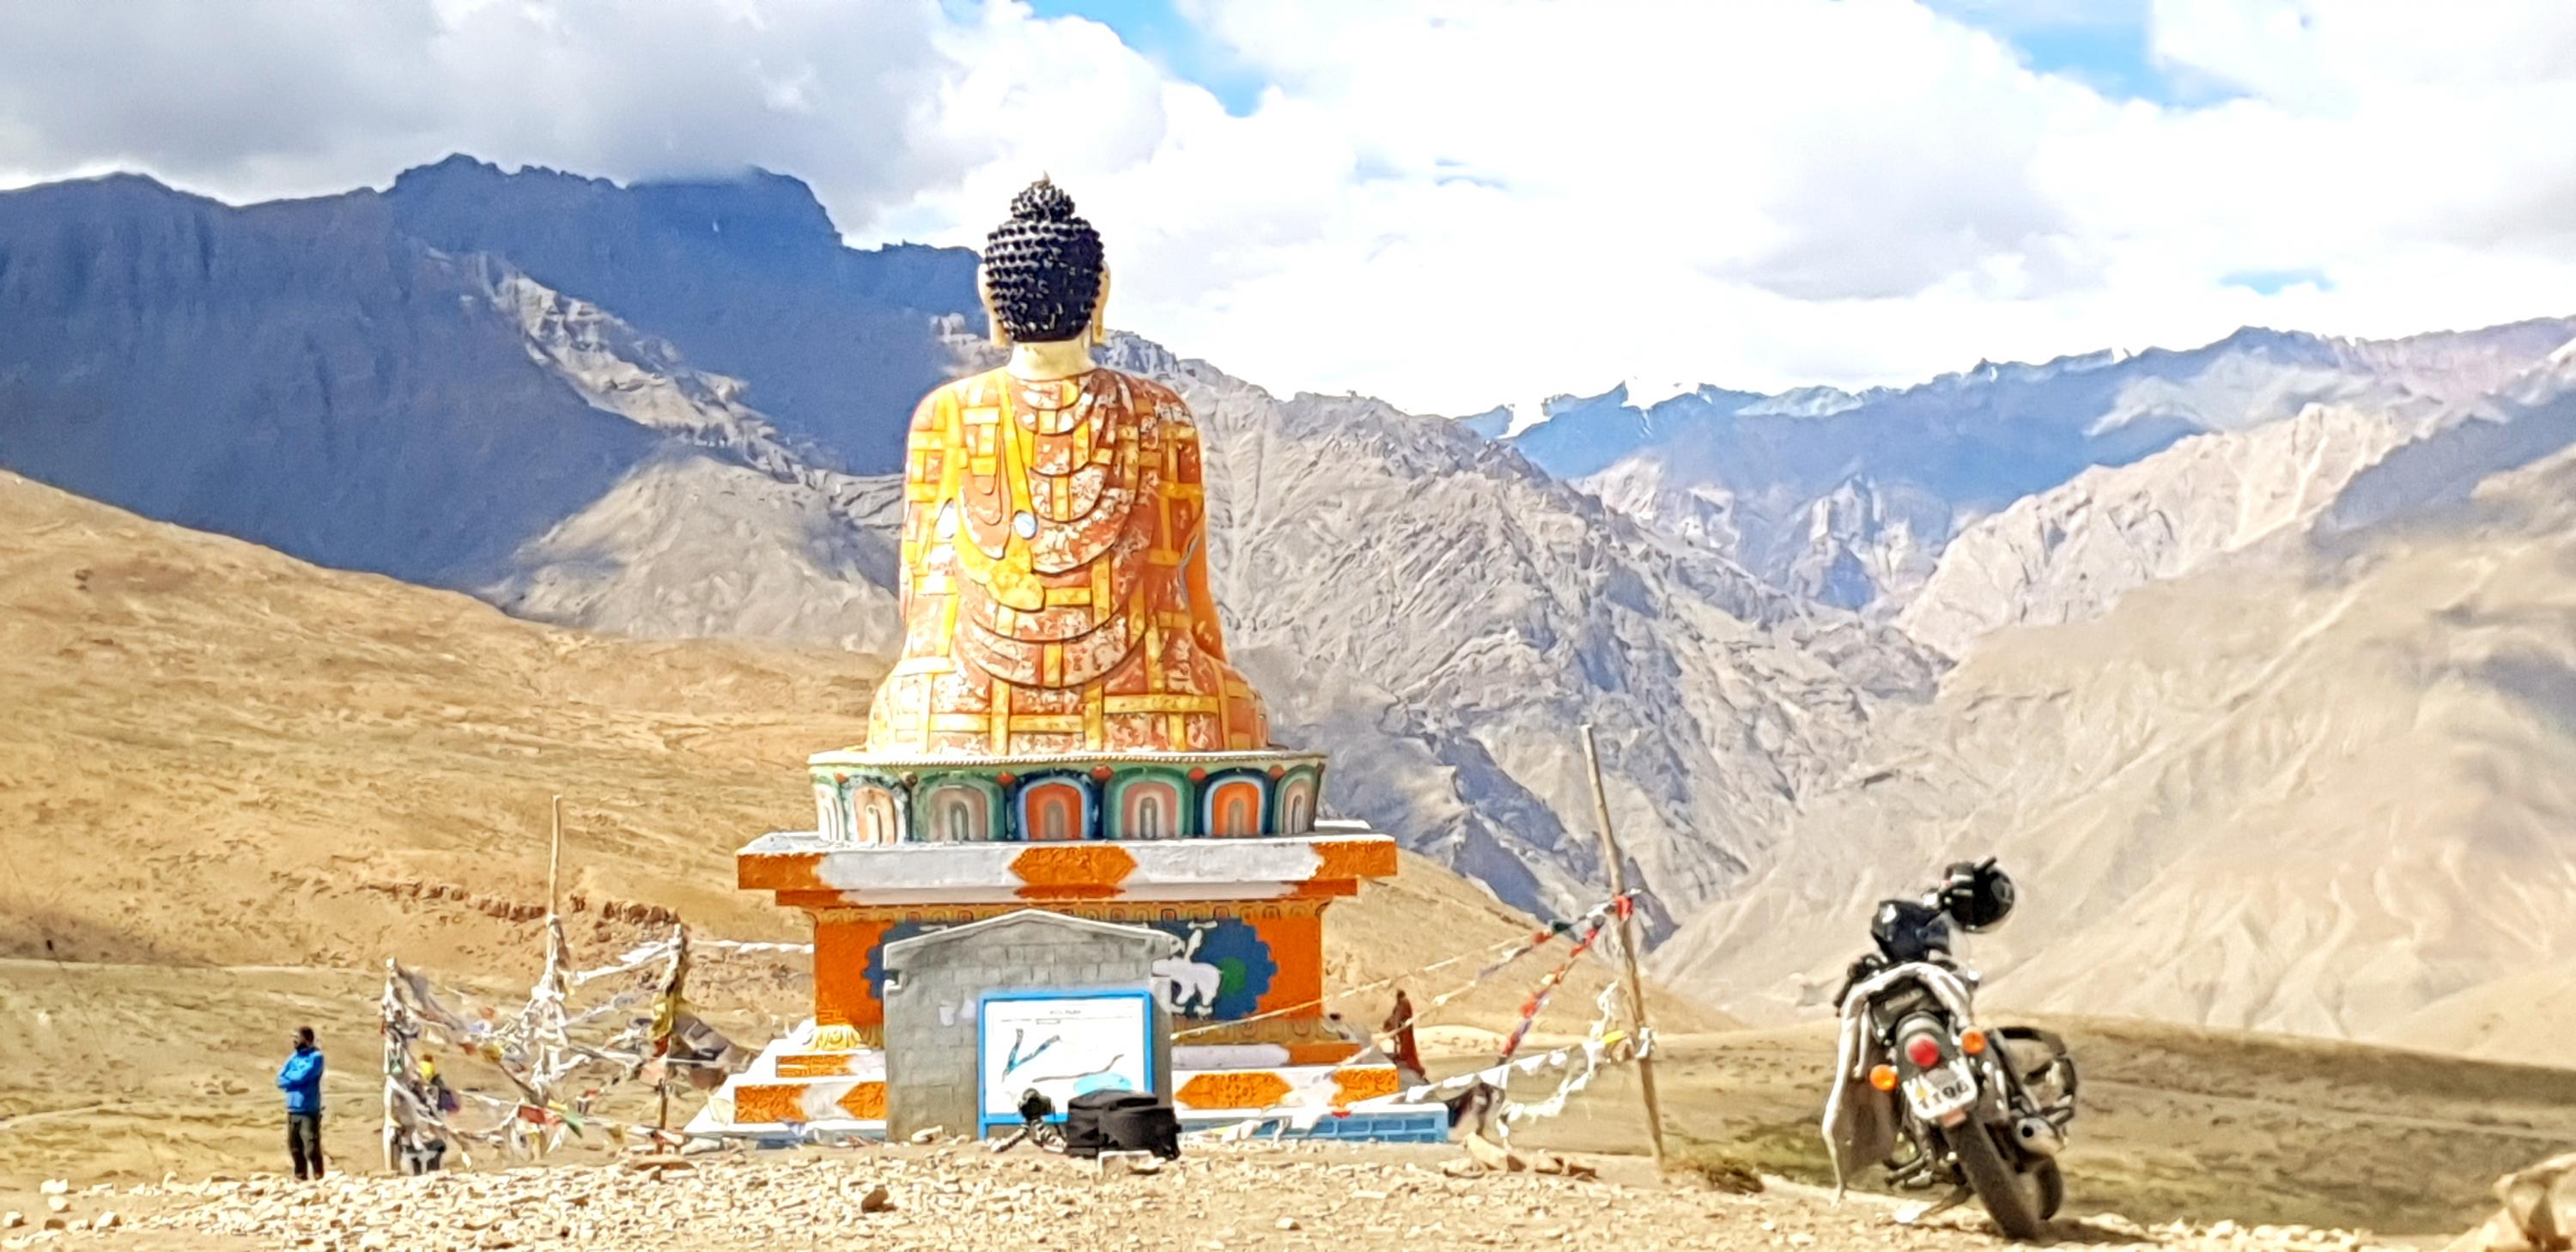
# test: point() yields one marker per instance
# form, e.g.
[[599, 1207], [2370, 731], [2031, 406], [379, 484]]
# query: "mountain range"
[[667, 410], [1851, 498]]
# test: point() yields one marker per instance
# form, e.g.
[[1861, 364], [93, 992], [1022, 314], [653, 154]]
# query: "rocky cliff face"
[[1504, 610], [747, 277], [2069, 553], [2527, 419], [1851, 497], [310, 377], [1862, 546], [302, 375]]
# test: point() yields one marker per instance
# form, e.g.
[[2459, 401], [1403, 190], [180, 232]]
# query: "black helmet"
[[1909, 930], [1977, 895]]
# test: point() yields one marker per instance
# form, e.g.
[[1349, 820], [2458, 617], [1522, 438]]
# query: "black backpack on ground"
[[1120, 1121]]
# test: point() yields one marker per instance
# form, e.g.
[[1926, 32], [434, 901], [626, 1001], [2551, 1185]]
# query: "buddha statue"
[[1055, 567]]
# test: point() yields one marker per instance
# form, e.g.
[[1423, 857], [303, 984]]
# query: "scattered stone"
[[12, 1220], [2114, 1223], [928, 1134], [1719, 1171], [1274, 1196], [1563, 1168], [57, 1204], [55, 1186], [1494, 1156]]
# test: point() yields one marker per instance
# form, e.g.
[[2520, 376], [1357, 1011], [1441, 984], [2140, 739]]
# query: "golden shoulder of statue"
[[1055, 585]]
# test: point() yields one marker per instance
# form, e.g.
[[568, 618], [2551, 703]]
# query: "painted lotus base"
[[874, 798], [794, 1088]]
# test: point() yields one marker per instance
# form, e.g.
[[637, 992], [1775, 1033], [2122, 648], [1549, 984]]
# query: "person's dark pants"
[[304, 1143]]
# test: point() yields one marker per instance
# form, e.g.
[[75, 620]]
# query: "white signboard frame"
[[1063, 1043]]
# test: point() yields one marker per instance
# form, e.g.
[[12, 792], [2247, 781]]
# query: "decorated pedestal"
[[908, 847]]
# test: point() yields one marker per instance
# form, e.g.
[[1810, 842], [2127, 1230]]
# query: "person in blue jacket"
[[301, 1079]]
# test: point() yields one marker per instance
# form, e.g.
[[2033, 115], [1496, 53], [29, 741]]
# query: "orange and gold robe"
[[1055, 587]]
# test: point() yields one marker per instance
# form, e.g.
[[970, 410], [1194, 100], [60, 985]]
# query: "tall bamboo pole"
[[547, 1024], [554, 858], [1627, 947], [397, 1060]]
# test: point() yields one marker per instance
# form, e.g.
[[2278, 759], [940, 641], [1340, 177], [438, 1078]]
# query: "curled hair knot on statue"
[[1043, 267]]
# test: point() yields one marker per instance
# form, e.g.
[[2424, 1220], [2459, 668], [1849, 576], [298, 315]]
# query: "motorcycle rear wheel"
[[2012, 1198]]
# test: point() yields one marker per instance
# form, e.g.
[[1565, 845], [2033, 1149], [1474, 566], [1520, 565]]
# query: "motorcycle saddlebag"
[[1120, 1121]]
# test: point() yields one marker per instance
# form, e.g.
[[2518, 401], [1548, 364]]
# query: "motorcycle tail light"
[[1924, 1051], [1973, 1042], [1883, 1077]]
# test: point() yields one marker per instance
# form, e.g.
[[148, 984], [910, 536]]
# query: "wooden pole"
[[666, 1015], [397, 1059], [1627, 947], [554, 857], [548, 1021]]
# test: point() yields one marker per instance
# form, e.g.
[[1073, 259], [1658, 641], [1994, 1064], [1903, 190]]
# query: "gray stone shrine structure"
[[935, 982]]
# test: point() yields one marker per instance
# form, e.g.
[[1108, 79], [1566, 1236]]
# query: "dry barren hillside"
[[2332, 798]]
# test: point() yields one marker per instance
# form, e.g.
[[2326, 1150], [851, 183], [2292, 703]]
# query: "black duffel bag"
[[1120, 1121]]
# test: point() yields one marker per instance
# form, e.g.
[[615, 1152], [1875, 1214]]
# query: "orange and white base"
[[793, 1090]]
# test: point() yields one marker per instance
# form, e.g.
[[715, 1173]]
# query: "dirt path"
[[1217, 1199], [2554, 1138]]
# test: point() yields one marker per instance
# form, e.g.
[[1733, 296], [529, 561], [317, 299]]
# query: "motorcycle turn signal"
[[1973, 1042], [1883, 1077]]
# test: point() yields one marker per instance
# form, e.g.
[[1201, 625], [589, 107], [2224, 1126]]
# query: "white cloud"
[[1454, 203], [301, 97]]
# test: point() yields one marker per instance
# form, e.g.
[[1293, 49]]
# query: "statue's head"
[[1043, 279]]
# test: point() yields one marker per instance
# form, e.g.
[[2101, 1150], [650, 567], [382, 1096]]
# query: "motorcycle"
[[1924, 1087]]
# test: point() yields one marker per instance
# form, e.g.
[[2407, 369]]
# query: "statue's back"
[[1054, 577]]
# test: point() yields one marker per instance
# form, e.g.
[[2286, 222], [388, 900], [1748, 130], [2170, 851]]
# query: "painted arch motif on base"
[[1149, 804]]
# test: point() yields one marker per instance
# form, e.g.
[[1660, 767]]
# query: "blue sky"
[[2104, 44], [1157, 29]]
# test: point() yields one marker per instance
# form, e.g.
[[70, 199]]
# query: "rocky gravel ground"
[[960, 1196]]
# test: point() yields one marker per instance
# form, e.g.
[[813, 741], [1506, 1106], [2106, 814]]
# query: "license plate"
[[1941, 1090]]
